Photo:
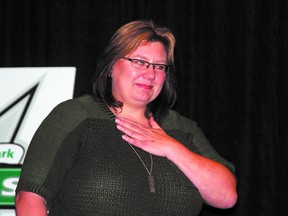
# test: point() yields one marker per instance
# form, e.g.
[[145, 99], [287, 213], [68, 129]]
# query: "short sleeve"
[[52, 148]]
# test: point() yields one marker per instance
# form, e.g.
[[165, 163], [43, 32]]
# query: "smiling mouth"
[[144, 86]]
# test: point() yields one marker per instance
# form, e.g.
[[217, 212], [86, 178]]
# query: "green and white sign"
[[8, 181], [27, 95]]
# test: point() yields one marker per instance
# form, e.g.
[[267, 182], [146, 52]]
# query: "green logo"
[[7, 154], [8, 182]]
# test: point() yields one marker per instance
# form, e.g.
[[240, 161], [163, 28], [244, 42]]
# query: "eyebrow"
[[145, 59]]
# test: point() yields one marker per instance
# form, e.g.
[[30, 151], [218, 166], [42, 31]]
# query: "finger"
[[153, 123], [123, 124], [132, 141], [132, 132]]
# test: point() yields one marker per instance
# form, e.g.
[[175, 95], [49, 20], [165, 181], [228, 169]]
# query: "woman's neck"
[[134, 114]]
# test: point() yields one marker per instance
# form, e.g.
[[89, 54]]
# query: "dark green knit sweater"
[[79, 163]]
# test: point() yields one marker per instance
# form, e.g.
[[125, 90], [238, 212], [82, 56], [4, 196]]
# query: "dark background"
[[231, 61]]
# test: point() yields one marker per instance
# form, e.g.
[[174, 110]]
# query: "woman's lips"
[[144, 86]]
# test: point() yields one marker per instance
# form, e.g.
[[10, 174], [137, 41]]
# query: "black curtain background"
[[231, 60]]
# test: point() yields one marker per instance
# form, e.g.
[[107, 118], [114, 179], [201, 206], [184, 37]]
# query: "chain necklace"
[[150, 176]]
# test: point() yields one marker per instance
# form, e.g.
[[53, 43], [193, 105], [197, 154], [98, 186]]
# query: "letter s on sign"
[[10, 184]]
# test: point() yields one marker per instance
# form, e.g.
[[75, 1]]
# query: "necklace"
[[150, 176]]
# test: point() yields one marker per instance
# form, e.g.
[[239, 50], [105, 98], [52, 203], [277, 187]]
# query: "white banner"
[[27, 95]]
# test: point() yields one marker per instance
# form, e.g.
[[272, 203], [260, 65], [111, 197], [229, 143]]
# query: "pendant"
[[151, 183]]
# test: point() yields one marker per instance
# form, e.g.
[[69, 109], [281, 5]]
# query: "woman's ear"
[[111, 72]]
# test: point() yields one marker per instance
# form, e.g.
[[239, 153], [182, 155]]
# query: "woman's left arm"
[[215, 182]]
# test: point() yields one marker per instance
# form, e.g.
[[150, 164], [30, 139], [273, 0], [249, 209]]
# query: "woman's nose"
[[150, 72]]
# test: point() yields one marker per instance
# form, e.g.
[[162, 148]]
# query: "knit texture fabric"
[[91, 170]]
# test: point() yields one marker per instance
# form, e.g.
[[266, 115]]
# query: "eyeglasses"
[[144, 65]]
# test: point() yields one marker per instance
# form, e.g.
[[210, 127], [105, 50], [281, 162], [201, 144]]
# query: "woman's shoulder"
[[84, 105], [175, 120]]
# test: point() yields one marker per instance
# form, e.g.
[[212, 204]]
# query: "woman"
[[121, 150]]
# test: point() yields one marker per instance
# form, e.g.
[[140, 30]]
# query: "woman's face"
[[137, 87]]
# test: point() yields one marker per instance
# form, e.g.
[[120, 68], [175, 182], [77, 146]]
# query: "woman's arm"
[[215, 182], [30, 204]]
